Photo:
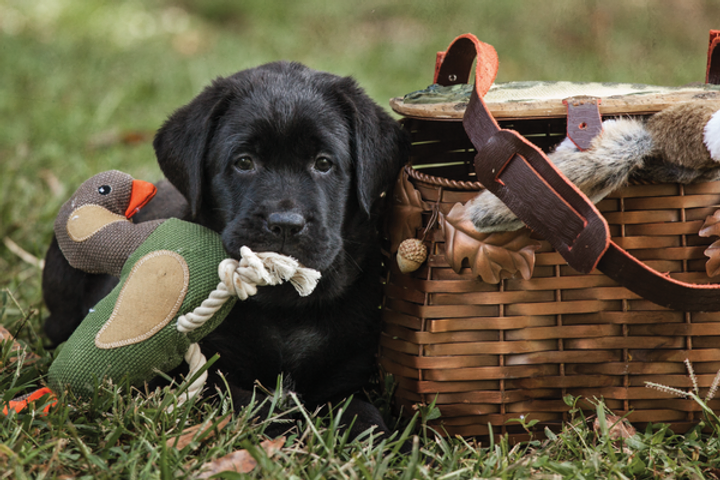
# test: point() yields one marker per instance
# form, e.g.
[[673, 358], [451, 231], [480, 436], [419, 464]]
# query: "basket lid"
[[542, 99]]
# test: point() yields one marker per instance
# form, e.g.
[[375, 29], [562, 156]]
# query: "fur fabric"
[[711, 136], [679, 133], [614, 155]]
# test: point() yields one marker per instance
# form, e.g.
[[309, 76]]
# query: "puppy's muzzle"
[[285, 225]]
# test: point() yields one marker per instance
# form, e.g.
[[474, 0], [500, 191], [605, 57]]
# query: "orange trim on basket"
[[467, 48], [712, 73]]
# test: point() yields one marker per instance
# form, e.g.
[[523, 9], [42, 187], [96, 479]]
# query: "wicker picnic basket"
[[493, 327]]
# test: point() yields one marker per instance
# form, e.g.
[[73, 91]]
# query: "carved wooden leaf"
[[712, 267], [406, 213], [711, 228], [492, 256]]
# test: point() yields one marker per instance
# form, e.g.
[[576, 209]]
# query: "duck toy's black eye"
[[104, 189]]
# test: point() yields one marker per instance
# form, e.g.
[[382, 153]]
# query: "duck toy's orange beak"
[[142, 193]]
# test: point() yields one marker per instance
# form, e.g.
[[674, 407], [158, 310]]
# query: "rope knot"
[[241, 279]]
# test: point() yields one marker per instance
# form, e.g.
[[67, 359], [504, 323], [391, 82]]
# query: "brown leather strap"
[[637, 277], [517, 172], [454, 65], [522, 176], [584, 122], [713, 59]]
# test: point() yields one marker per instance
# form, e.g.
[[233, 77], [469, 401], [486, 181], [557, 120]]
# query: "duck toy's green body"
[[176, 285]]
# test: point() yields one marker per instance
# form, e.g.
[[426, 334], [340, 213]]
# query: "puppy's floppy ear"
[[380, 145], [181, 143]]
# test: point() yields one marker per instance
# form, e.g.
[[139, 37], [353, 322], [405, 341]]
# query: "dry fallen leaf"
[[711, 228], [240, 461], [406, 212], [715, 472], [618, 427], [492, 256], [193, 432], [112, 137], [6, 336]]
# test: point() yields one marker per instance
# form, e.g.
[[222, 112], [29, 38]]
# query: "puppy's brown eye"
[[323, 164], [244, 163]]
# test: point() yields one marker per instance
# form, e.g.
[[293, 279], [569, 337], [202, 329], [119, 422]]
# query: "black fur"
[[287, 122]]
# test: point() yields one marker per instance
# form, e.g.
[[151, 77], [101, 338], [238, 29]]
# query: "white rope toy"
[[241, 279]]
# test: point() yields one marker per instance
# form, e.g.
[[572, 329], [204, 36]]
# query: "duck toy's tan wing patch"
[[149, 300]]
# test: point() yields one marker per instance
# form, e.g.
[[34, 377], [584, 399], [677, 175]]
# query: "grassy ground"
[[83, 86]]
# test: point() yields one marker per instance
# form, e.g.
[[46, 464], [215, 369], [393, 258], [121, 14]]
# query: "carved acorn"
[[411, 254]]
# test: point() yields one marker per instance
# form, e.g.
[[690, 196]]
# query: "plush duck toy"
[[680, 144], [168, 297]]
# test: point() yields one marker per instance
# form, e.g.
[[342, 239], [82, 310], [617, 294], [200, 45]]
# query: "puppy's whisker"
[[366, 244], [351, 259], [246, 197]]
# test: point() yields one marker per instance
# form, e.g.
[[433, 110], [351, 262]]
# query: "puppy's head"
[[284, 158]]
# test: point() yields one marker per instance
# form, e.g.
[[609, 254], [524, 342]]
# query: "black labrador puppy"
[[287, 159]]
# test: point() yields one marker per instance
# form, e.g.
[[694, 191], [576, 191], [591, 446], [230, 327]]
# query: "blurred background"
[[85, 83]]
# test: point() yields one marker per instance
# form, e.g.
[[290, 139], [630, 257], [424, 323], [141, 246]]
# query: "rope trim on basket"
[[442, 182]]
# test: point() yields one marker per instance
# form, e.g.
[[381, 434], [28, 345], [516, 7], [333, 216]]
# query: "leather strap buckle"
[[536, 192]]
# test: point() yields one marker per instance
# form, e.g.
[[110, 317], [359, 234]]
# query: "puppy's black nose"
[[285, 224]]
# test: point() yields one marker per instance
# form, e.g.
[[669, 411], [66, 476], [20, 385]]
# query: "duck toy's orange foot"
[[19, 404]]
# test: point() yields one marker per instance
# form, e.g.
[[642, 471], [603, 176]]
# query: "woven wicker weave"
[[488, 353]]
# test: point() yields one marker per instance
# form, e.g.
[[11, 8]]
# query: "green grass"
[[80, 79], [121, 435]]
